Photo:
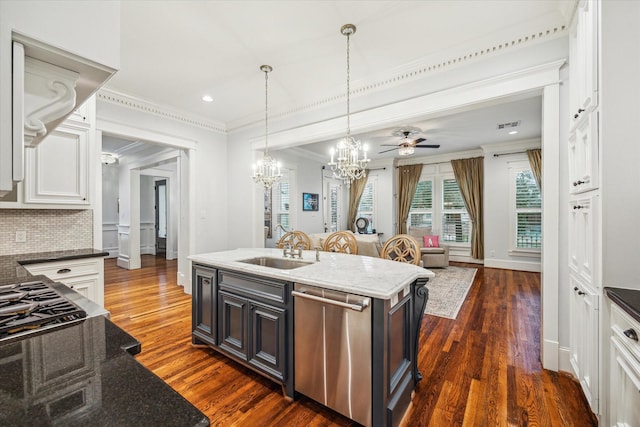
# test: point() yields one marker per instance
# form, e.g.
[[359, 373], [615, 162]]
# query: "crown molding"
[[134, 103], [509, 146], [410, 72]]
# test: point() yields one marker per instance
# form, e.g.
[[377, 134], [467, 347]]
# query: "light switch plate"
[[21, 236]]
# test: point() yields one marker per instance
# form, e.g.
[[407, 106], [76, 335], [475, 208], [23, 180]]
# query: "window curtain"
[[535, 160], [355, 193], [469, 175], [408, 182]]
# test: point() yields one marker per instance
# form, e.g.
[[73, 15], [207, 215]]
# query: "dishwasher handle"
[[355, 307]]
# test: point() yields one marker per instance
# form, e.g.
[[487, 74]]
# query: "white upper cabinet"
[[583, 61]]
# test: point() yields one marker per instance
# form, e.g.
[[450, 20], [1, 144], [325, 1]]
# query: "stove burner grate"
[[32, 305]]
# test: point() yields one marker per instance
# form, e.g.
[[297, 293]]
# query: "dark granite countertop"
[[11, 270], [84, 374], [627, 299]]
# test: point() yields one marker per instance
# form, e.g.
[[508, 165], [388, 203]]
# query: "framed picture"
[[309, 202]]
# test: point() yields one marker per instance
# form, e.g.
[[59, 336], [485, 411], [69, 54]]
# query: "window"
[[456, 224], [421, 210], [367, 204], [526, 209], [281, 204]]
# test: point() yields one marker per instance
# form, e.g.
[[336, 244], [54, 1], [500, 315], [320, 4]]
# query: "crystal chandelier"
[[267, 170], [350, 156], [406, 150]]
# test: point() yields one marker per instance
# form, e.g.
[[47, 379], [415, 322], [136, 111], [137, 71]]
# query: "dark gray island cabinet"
[[343, 331]]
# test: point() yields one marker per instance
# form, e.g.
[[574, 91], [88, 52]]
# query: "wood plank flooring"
[[481, 369]]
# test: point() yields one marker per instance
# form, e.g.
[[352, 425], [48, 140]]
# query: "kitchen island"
[[342, 330]]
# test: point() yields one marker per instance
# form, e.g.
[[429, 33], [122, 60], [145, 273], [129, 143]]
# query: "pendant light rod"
[[266, 171], [266, 69]]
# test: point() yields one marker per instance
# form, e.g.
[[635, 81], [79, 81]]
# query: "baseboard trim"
[[123, 262], [564, 354], [506, 264], [550, 355]]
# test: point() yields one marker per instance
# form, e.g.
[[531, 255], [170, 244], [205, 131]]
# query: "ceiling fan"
[[407, 145]]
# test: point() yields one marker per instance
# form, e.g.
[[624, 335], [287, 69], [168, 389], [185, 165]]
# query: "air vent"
[[508, 125]]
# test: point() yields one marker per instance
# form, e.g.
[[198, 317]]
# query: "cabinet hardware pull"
[[631, 334], [64, 270], [580, 110], [578, 182], [575, 288], [578, 207], [580, 293], [356, 307]]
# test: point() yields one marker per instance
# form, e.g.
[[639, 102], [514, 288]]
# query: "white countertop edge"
[[362, 275]]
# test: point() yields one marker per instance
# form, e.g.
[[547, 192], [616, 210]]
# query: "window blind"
[[421, 210], [528, 211], [366, 205], [281, 203], [456, 224]]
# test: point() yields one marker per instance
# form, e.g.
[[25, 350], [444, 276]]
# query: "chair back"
[[402, 248], [341, 241], [295, 240]]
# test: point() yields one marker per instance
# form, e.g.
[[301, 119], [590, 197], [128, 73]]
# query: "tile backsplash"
[[45, 229]]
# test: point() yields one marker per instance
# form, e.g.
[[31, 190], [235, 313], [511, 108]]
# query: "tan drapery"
[[535, 160], [469, 176], [407, 184], [355, 193]]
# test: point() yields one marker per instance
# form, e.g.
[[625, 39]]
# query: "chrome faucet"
[[291, 251]]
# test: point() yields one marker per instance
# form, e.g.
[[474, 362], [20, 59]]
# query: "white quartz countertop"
[[362, 275]]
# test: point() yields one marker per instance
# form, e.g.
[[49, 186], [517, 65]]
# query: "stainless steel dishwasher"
[[332, 332]]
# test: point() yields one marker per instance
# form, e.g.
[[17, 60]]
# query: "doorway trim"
[[186, 191]]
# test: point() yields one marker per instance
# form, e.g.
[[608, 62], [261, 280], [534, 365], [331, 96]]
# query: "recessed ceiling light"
[[207, 98], [513, 132]]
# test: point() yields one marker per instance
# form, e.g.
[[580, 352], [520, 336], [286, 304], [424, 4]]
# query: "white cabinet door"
[[584, 323], [583, 155], [583, 239], [624, 385], [58, 168], [583, 59]]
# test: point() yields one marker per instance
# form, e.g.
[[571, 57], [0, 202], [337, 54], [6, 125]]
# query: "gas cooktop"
[[34, 306]]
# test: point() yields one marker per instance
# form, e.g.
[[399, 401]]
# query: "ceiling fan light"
[[406, 151]]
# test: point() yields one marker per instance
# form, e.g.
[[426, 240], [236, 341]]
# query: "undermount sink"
[[280, 263]]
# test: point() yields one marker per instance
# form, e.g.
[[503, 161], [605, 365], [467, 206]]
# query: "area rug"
[[448, 290]]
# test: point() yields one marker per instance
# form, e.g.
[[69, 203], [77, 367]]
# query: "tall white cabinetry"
[[584, 202]]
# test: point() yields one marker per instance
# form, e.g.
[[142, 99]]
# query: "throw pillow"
[[431, 242]]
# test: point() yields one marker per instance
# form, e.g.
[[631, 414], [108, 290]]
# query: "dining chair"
[[402, 248], [341, 241], [295, 240]]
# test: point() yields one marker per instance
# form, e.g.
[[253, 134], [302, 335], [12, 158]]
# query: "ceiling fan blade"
[[428, 146], [391, 145], [419, 140], [386, 151]]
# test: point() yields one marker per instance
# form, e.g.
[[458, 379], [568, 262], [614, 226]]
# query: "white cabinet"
[[584, 214], [583, 155], [584, 342], [85, 275], [624, 385], [58, 168], [583, 60], [60, 172]]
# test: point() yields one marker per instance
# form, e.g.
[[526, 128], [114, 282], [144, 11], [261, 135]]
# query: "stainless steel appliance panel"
[[333, 350]]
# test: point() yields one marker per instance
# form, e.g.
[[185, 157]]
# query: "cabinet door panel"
[[625, 386], [233, 324], [268, 339], [204, 304], [57, 169]]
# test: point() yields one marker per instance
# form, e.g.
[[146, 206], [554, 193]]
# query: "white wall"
[[619, 113]]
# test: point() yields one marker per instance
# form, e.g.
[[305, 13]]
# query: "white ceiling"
[[173, 52]]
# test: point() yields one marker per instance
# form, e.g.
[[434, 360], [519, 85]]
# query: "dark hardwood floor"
[[481, 369]]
